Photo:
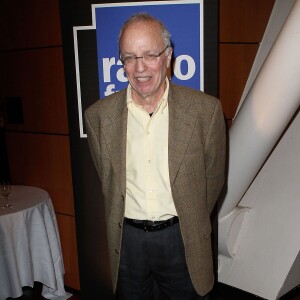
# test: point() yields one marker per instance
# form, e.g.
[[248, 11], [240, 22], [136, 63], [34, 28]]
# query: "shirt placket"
[[149, 167]]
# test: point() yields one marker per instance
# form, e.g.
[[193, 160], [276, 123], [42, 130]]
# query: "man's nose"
[[140, 64]]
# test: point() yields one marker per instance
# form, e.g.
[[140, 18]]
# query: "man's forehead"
[[142, 32], [142, 25]]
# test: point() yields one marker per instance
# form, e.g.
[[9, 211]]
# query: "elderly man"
[[159, 150]]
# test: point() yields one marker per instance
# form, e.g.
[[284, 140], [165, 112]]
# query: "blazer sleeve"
[[215, 155]]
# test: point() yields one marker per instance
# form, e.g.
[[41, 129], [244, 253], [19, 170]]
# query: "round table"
[[30, 248]]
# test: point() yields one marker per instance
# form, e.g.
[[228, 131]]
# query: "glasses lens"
[[130, 60], [150, 58], [147, 58]]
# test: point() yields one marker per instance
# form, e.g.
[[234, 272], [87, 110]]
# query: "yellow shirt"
[[148, 190]]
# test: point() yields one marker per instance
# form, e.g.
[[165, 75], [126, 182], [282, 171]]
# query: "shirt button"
[[149, 161]]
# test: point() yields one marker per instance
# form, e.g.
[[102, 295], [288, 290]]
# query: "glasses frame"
[[141, 57]]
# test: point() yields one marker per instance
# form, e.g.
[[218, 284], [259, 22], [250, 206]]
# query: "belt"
[[148, 226]]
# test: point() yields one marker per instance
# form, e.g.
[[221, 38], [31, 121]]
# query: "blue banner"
[[185, 22]]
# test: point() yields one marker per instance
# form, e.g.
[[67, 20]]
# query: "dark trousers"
[[153, 266]]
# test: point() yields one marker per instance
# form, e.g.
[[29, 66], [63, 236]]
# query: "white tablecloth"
[[30, 247]]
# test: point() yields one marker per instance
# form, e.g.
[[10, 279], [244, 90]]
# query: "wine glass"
[[5, 189]]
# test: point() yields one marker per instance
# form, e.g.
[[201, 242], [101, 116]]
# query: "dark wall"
[[35, 132]]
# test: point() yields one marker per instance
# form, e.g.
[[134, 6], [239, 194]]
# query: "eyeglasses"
[[148, 58]]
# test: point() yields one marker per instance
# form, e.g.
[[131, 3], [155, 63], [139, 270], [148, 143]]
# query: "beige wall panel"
[[234, 67], [37, 76], [244, 20], [67, 231], [29, 23], [42, 161]]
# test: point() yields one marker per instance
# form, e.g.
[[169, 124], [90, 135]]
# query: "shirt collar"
[[163, 101]]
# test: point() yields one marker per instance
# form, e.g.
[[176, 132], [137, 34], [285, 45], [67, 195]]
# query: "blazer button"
[[117, 251], [120, 225], [123, 198]]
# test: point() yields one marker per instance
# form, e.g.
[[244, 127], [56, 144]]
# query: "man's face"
[[146, 79]]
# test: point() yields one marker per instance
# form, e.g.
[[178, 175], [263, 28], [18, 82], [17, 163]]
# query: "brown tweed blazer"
[[196, 167]]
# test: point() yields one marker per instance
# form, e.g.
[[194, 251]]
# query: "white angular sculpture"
[[260, 215]]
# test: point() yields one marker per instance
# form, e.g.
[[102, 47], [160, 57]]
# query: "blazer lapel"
[[181, 124], [115, 137]]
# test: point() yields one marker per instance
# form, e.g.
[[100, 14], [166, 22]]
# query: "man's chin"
[[144, 94]]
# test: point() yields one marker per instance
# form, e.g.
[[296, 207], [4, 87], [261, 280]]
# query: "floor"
[[229, 293], [222, 291]]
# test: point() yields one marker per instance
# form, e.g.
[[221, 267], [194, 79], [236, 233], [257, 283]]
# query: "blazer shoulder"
[[190, 96], [106, 103]]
